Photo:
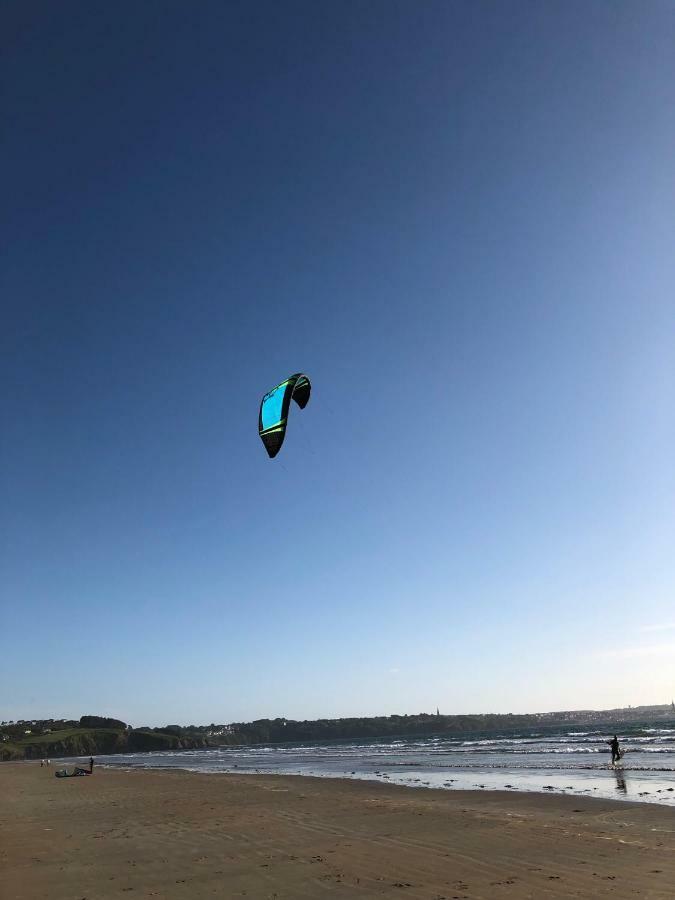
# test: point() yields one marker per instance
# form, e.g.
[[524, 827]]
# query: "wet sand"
[[174, 834]]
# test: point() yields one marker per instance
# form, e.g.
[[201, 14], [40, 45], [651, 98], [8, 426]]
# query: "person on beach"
[[91, 765], [616, 753]]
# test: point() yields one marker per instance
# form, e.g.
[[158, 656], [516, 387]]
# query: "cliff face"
[[151, 740], [10, 751], [80, 744], [98, 741]]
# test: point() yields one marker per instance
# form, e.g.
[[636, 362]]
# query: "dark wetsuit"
[[616, 756]]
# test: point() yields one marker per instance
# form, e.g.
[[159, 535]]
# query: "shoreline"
[[179, 834], [622, 783], [508, 790]]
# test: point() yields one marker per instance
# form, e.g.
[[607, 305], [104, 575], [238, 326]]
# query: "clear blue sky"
[[458, 219]]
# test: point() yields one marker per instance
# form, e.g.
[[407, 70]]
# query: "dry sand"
[[179, 835]]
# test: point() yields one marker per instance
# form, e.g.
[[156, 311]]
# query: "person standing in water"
[[616, 753]]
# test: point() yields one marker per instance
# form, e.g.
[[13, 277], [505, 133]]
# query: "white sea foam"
[[524, 760]]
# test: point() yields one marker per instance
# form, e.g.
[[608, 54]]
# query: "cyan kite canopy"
[[274, 410]]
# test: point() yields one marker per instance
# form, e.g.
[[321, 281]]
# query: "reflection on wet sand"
[[621, 784]]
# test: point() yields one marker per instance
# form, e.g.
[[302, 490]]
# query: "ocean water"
[[573, 762]]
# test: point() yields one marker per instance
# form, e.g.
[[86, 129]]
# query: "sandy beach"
[[180, 835]]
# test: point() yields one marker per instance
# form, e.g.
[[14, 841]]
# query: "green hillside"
[[95, 741]]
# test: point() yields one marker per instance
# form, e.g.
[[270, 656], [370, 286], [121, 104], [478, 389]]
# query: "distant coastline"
[[38, 738]]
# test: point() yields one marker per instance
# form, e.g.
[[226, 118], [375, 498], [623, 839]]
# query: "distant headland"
[[38, 738]]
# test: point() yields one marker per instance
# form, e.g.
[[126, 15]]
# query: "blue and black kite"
[[274, 410]]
